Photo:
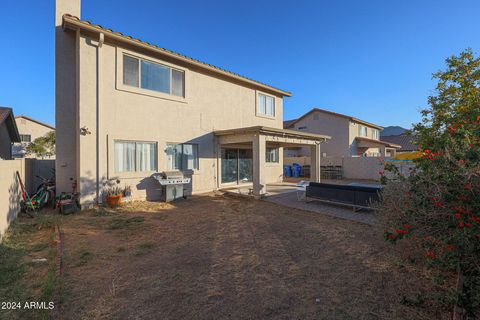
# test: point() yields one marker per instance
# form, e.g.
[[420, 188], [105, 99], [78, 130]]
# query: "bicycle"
[[43, 196]]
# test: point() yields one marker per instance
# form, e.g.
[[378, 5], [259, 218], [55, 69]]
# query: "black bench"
[[353, 195]]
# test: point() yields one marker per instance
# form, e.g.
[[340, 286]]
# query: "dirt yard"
[[223, 257]]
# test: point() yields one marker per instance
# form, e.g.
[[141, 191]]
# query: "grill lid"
[[172, 174], [171, 178]]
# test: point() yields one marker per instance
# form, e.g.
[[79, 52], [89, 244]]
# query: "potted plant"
[[127, 191], [113, 195]]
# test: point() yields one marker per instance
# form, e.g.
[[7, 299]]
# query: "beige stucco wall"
[[355, 168], [36, 130], [341, 130], [66, 100], [5, 143], [354, 131], [211, 103], [9, 192], [330, 125]]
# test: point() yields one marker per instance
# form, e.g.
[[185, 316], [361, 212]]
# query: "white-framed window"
[[375, 134], [271, 155], [265, 105], [135, 156], [26, 138], [183, 156], [362, 131], [144, 74]]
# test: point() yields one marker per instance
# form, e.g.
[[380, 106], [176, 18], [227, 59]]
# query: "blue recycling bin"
[[296, 170], [287, 171]]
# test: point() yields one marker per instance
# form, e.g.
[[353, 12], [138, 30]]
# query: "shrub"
[[438, 204]]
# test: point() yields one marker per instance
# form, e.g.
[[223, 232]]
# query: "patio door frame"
[[238, 182]]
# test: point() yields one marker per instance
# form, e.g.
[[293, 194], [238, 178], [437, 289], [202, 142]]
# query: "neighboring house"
[[29, 129], [8, 133], [350, 137], [126, 109], [405, 141]]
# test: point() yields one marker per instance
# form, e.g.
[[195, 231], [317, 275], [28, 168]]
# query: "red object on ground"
[[114, 201]]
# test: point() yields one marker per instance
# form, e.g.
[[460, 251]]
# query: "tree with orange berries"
[[438, 204]]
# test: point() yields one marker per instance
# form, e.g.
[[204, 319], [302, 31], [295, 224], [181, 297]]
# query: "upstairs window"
[[362, 131], [182, 156], [375, 134], [271, 155], [265, 105], [26, 138], [148, 75]]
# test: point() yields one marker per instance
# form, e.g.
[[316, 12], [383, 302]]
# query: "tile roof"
[[287, 123], [4, 113], [385, 143], [6, 116], [75, 21], [335, 114], [404, 140]]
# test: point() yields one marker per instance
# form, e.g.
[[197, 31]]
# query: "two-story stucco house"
[[29, 129], [350, 137], [126, 109]]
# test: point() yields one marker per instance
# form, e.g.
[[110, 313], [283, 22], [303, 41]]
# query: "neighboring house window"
[[153, 76], [363, 131], [26, 138], [302, 128], [271, 155], [182, 156], [265, 105], [375, 134], [135, 156]]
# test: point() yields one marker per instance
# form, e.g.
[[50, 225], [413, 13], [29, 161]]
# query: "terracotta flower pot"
[[114, 201]]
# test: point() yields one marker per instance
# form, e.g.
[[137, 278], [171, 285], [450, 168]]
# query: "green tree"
[[438, 205], [43, 147]]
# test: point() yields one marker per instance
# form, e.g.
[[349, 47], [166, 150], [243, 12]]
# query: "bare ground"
[[222, 257]]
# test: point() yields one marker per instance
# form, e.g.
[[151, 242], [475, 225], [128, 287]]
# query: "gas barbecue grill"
[[172, 183]]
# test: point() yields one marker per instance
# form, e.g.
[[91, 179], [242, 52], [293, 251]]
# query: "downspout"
[[101, 40]]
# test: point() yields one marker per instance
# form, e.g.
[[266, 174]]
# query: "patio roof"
[[372, 142], [259, 137], [274, 132]]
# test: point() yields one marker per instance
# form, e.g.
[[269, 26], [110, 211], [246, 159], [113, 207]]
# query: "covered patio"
[[253, 145], [386, 149]]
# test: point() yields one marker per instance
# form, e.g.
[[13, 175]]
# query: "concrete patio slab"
[[291, 199]]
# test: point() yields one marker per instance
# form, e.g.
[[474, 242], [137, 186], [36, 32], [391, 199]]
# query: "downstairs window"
[[135, 156]]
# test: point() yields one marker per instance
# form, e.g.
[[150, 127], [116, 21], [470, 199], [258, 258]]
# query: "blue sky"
[[371, 59]]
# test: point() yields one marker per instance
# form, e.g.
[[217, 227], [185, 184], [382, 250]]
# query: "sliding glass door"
[[245, 163], [236, 166], [229, 165]]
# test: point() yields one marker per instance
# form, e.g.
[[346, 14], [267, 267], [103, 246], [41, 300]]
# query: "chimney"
[[66, 6], [66, 125]]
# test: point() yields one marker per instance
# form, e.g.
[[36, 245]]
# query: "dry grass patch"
[[233, 258], [27, 266]]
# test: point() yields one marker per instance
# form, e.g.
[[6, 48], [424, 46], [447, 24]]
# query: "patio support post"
[[383, 151], [259, 143], [315, 163]]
